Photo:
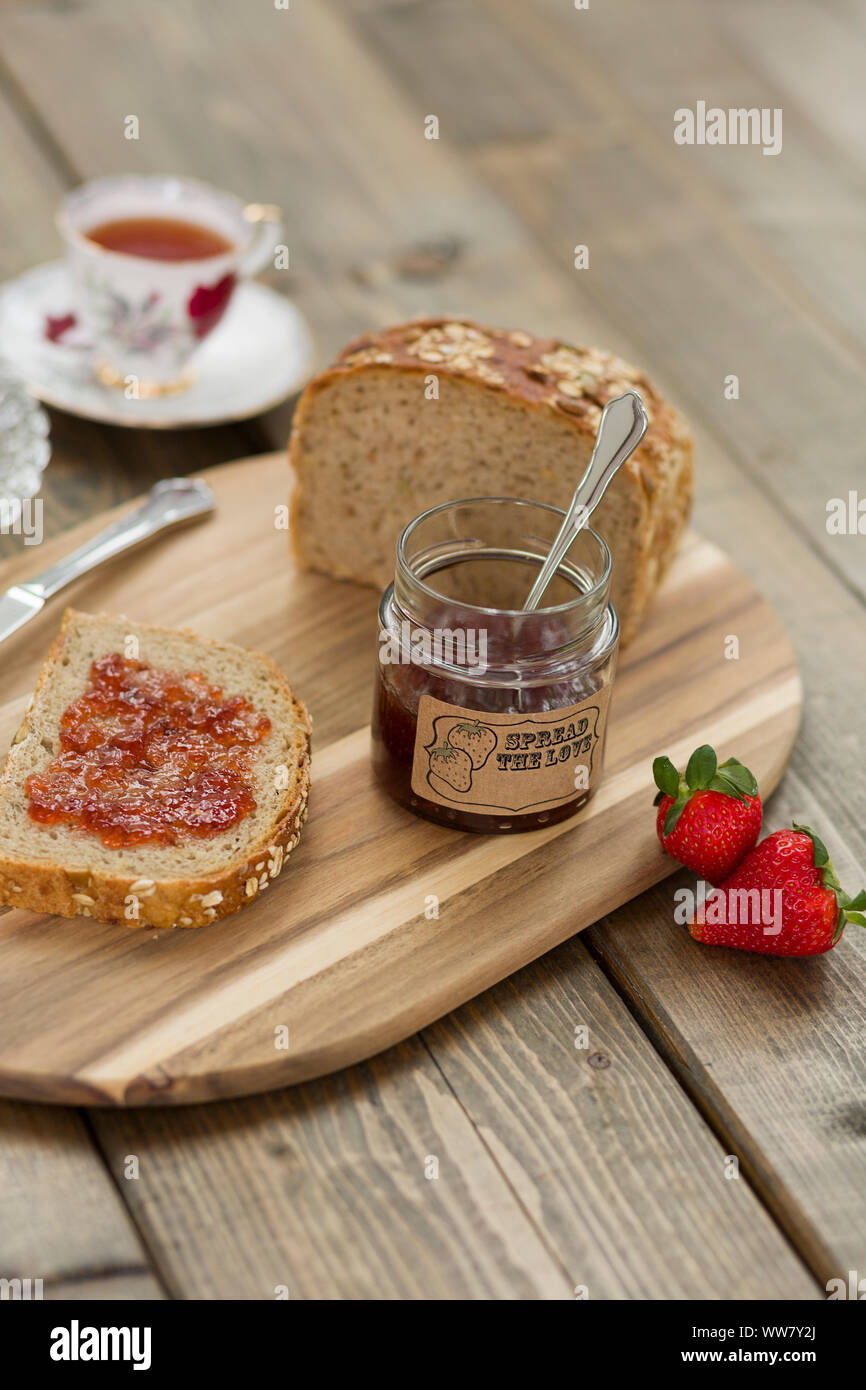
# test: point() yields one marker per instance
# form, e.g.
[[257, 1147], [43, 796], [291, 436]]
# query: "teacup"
[[146, 315]]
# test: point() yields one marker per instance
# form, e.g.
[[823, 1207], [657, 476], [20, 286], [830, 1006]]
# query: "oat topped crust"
[[573, 381]]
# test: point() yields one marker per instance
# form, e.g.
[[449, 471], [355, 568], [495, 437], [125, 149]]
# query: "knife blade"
[[17, 607]]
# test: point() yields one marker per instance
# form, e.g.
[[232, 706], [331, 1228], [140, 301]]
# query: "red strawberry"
[[711, 817], [809, 914]]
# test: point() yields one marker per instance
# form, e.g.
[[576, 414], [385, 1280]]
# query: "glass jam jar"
[[487, 718]]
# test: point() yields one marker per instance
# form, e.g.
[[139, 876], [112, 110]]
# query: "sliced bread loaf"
[[59, 865], [430, 411]]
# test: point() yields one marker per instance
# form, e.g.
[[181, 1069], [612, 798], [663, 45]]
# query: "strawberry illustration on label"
[[451, 765], [474, 738]]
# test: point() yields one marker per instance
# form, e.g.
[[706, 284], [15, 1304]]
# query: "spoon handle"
[[622, 427]]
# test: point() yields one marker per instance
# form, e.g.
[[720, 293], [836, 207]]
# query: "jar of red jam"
[[487, 718]]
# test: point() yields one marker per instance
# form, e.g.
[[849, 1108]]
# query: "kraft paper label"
[[519, 763]]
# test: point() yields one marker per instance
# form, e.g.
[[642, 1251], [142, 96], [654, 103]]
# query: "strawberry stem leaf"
[[674, 813], [849, 908], [820, 849], [703, 773], [701, 768], [719, 784], [666, 777], [735, 779]]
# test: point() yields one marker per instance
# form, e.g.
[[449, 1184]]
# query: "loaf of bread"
[[58, 865], [430, 411]]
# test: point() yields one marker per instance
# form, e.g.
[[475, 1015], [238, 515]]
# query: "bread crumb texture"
[[63, 870]]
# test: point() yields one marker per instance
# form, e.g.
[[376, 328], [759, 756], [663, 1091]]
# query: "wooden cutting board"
[[381, 922]]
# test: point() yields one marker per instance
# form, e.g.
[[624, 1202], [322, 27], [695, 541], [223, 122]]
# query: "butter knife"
[[169, 503]]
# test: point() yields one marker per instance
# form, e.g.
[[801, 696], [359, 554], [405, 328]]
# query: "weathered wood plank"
[[29, 234], [814, 51], [664, 269], [597, 1141], [773, 1050], [450, 47], [61, 1218], [799, 218], [555, 1171], [323, 1189]]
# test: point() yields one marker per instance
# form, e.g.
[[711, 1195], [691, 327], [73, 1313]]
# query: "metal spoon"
[[621, 428]]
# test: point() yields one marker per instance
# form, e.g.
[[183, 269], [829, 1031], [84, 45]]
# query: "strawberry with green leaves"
[[709, 818], [814, 909]]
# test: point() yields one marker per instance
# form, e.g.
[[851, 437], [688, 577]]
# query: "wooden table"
[[491, 1156]]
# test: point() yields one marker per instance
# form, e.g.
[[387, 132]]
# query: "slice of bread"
[[430, 411], [61, 868]]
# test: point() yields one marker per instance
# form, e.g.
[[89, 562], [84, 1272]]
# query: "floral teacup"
[[145, 317]]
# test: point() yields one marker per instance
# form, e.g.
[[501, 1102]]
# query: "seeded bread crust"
[[76, 890], [545, 377]]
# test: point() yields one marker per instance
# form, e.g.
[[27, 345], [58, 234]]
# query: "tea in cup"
[[155, 260]]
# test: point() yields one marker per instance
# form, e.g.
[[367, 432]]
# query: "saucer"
[[259, 355]]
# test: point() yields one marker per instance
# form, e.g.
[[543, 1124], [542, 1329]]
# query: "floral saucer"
[[259, 355]]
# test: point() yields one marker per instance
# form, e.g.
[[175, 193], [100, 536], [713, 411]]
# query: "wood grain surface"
[[490, 1157], [555, 129], [100, 1255], [341, 951]]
